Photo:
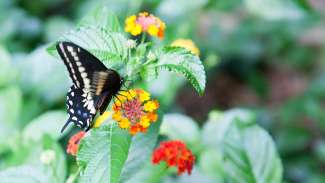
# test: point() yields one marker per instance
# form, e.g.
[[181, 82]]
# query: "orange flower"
[[73, 144], [133, 110], [174, 153], [145, 22]]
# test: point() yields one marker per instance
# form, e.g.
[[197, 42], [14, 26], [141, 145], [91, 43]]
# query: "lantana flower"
[[187, 44], [174, 153], [133, 110], [145, 22], [74, 141]]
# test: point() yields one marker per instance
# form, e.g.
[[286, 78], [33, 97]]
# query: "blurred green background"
[[265, 55]]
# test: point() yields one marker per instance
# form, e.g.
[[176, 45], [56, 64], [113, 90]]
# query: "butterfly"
[[93, 87]]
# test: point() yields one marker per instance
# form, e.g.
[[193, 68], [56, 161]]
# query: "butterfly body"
[[93, 87]]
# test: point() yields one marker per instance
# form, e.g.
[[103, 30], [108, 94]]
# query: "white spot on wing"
[[84, 75]]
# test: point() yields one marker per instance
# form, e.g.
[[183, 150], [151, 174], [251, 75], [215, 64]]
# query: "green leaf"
[[7, 72], [102, 154], [181, 127], [49, 123], [32, 71], [275, 9], [195, 177], [251, 156], [10, 108], [10, 105], [248, 150], [149, 173], [23, 174], [102, 43], [221, 122], [181, 61], [58, 168], [211, 164], [140, 151], [101, 17], [34, 168]]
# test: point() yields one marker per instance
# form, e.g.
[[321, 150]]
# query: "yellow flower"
[[145, 22], [101, 119], [136, 112], [130, 23], [130, 19], [124, 123], [144, 96], [117, 116], [151, 106], [144, 122], [153, 30], [187, 44], [132, 94], [137, 29]]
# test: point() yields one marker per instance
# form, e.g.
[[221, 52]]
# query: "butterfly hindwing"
[[80, 108]]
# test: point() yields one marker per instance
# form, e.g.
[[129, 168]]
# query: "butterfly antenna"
[[65, 125]]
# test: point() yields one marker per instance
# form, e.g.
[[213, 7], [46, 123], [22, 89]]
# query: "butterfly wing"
[[80, 113], [81, 64], [93, 84]]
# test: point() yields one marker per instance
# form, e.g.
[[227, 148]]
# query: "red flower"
[[174, 153], [73, 144]]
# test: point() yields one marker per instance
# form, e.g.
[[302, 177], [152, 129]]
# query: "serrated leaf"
[[102, 154], [182, 61], [102, 43], [101, 17], [140, 151]]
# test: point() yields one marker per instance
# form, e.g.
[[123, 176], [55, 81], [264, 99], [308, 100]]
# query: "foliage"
[[260, 65]]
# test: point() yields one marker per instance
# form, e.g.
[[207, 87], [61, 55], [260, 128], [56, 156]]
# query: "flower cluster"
[[187, 44], [174, 153], [74, 141], [145, 22], [134, 110]]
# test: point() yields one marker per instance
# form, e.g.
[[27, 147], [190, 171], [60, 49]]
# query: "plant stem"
[[143, 38]]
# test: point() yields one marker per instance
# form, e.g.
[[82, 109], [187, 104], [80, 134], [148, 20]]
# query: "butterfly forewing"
[[80, 63]]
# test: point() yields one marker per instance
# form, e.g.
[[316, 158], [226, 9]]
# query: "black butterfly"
[[93, 87]]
